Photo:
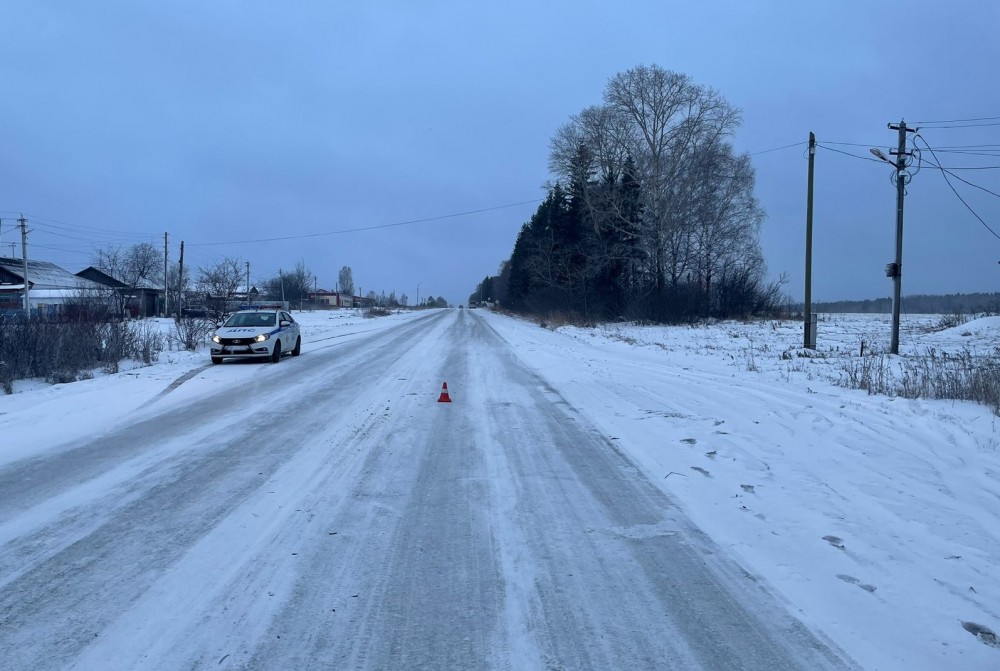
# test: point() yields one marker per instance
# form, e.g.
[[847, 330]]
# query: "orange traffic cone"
[[444, 397]]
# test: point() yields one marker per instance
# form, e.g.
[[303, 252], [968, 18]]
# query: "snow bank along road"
[[327, 512]]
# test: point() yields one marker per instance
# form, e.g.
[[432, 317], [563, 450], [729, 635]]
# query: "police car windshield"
[[251, 319]]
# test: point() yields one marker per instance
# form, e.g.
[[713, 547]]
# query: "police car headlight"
[[262, 337], [216, 338]]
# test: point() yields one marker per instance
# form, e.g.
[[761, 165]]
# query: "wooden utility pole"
[[24, 263], [809, 333], [180, 283], [166, 283]]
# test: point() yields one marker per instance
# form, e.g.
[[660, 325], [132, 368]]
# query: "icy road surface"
[[328, 513]]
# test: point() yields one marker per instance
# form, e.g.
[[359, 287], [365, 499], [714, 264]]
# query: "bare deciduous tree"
[[220, 283], [180, 287], [292, 287], [654, 130], [727, 218], [669, 206], [345, 281], [136, 266]]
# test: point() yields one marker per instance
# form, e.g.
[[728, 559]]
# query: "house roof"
[[42, 275], [101, 277], [107, 279]]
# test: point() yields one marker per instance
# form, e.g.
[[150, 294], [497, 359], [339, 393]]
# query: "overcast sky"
[[229, 123]]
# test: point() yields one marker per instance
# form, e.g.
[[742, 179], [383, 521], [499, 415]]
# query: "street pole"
[[247, 290], [810, 337], [180, 284], [897, 266], [166, 283], [24, 263]]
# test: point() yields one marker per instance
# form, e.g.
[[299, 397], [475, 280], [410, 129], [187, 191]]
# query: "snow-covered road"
[[327, 512]]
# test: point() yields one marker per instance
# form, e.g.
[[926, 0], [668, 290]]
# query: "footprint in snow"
[[854, 581], [702, 471], [984, 634], [689, 441], [834, 541]]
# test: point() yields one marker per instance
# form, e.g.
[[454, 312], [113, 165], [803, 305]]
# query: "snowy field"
[[877, 519]]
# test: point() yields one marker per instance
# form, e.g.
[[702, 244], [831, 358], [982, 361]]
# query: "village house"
[[333, 299], [50, 288], [143, 300]]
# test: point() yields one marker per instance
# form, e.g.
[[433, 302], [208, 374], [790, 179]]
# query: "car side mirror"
[[284, 323]]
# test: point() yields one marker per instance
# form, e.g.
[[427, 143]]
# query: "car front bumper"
[[248, 351]]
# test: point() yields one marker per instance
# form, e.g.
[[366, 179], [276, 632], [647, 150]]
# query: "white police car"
[[261, 333]]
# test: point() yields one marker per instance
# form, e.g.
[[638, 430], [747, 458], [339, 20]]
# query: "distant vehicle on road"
[[264, 333]]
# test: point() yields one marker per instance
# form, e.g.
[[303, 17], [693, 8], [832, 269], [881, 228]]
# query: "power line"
[[56, 223], [976, 186], [64, 250], [846, 153], [969, 125], [949, 147], [54, 226], [958, 177], [958, 148], [982, 118], [47, 230], [965, 152], [866, 158], [945, 173], [854, 144], [103, 232], [787, 146], [974, 167], [370, 228]]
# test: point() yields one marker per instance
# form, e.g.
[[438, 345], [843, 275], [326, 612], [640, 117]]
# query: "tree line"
[[651, 215], [213, 288], [974, 303], [209, 288]]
